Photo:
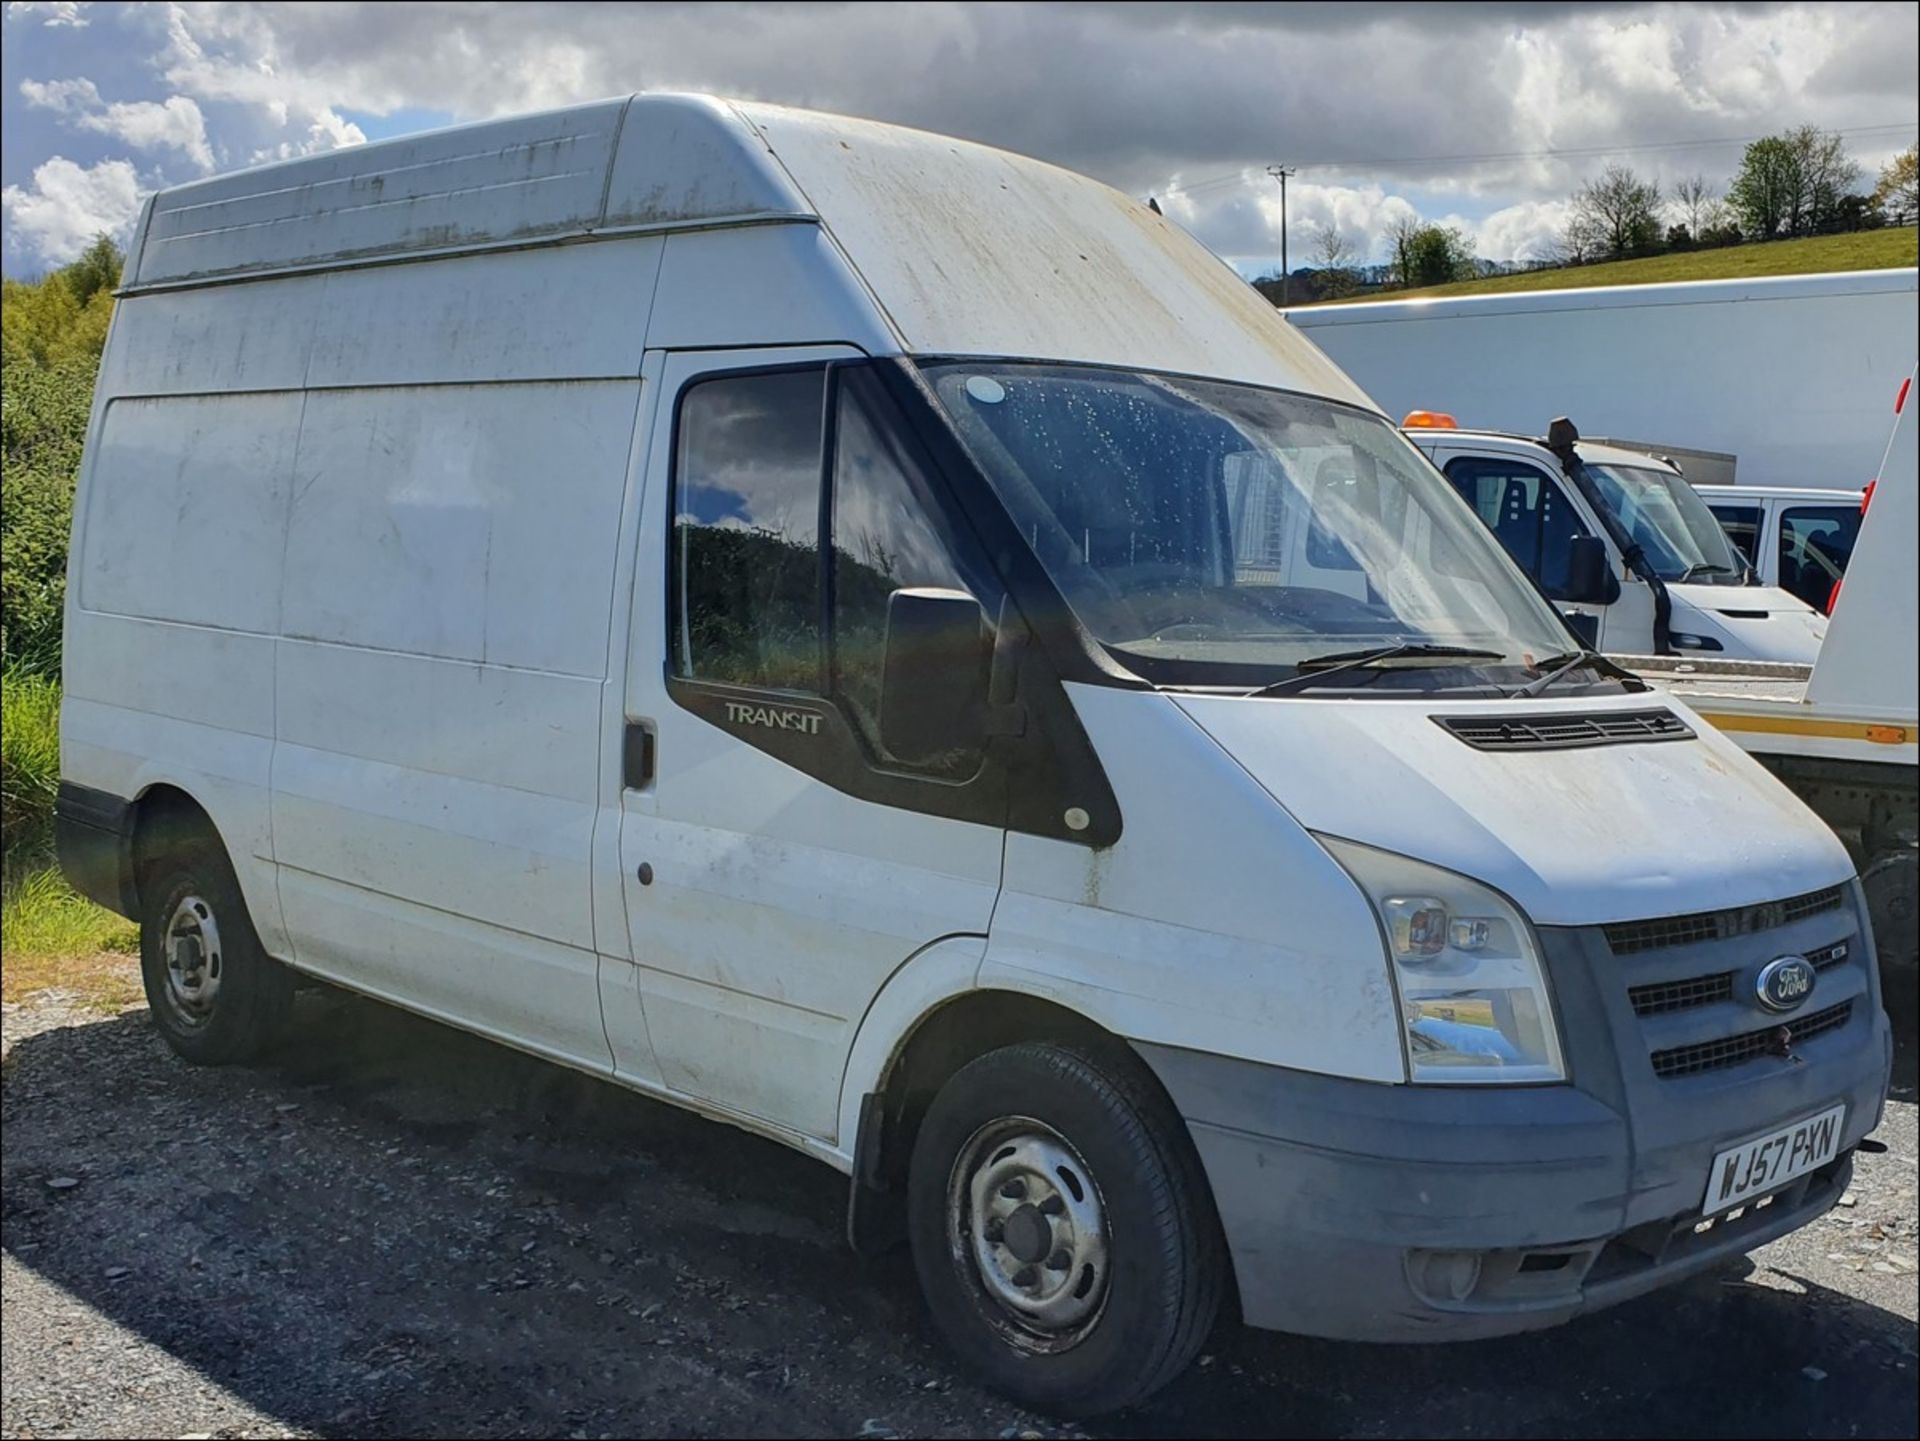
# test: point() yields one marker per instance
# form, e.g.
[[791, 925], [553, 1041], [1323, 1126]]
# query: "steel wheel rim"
[[194, 960], [1029, 1232]]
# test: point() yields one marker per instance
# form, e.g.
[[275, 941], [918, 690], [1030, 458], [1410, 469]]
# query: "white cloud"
[[327, 131], [68, 205], [1162, 98], [171, 124], [54, 14], [1528, 231]]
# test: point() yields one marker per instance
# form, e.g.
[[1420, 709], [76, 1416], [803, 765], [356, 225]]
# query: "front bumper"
[[1424, 1213]]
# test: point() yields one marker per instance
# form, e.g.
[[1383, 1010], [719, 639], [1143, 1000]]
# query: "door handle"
[[637, 756]]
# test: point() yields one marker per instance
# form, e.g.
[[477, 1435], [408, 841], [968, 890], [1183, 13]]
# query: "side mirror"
[[1590, 579], [933, 678]]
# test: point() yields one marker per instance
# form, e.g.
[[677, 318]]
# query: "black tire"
[[1165, 1261], [251, 994]]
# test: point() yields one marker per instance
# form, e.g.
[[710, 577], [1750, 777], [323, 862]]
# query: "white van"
[[1795, 537], [825, 625], [1620, 540]]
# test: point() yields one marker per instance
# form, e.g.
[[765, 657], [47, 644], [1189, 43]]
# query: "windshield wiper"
[[1704, 567], [1555, 666], [1316, 668]]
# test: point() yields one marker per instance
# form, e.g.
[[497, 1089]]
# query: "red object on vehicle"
[[1833, 596], [1900, 400], [1867, 495]]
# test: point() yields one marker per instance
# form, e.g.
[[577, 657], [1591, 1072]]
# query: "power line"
[[1242, 177], [1280, 173]]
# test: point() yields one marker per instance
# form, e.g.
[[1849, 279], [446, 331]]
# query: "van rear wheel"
[[1062, 1229], [215, 994]]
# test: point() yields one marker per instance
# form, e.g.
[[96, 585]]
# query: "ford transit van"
[[891, 645]]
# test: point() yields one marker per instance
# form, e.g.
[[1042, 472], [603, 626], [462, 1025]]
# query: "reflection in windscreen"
[[1665, 516], [1195, 521]]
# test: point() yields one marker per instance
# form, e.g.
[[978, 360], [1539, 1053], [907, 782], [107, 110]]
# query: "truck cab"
[[1621, 543]]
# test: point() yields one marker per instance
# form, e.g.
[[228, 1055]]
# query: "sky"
[[1484, 115]]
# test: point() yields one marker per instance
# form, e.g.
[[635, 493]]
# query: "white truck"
[[824, 625], [1620, 542], [1786, 377], [1843, 733]]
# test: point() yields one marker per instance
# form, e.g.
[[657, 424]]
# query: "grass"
[[51, 938], [29, 758], [1864, 250], [56, 939]]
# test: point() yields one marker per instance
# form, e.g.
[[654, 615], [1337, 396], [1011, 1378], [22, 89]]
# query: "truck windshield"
[[1210, 533], [1666, 516]]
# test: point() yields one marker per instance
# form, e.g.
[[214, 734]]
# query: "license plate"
[[1755, 1167]]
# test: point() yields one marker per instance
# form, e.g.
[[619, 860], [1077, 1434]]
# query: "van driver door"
[[779, 863]]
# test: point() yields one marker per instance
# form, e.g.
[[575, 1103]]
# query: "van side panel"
[[175, 596], [449, 565]]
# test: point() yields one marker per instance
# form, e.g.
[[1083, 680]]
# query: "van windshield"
[[1682, 539], [1210, 533]]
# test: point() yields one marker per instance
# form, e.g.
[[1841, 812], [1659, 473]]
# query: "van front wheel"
[[1062, 1229], [215, 994]]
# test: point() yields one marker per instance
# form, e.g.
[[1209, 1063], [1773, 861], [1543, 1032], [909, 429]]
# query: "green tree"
[[1615, 215], [1764, 191], [1422, 254], [51, 333], [1796, 183], [1897, 192], [1439, 253]]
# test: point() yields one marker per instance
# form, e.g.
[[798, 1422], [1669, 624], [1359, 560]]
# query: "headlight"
[[1682, 641], [1473, 998]]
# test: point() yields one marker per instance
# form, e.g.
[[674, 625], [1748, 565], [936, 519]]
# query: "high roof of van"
[[963, 250]]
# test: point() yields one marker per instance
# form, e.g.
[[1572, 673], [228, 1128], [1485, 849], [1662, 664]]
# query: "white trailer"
[[1844, 733], [1786, 378]]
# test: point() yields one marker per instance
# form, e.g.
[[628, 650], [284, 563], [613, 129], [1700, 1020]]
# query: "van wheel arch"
[[941, 1042], [163, 815]]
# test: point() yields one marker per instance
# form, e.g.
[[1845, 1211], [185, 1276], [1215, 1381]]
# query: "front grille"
[[1632, 937], [1657, 999], [1736, 1050], [1548, 731], [1829, 956]]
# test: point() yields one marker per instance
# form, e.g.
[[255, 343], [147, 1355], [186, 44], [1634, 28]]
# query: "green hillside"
[[1861, 250]]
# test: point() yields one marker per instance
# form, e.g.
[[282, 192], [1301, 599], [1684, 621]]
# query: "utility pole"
[[1280, 173]]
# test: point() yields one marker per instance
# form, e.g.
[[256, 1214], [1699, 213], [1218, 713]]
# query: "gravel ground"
[[394, 1229]]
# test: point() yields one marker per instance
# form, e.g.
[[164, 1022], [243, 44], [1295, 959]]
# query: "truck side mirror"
[[933, 678], [1590, 580]]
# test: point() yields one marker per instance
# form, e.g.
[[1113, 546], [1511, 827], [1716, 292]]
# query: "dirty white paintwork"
[[1790, 374], [1575, 838], [974, 251], [950, 248], [645, 161], [779, 906], [1216, 923], [369, 561]]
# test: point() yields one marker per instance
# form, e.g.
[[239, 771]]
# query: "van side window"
[[1742, 525], [883, 540], [1523, 507], [746, 516], [1815, 543]]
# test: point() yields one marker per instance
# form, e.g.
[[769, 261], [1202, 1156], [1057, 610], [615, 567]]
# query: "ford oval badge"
[[1784, 983]]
